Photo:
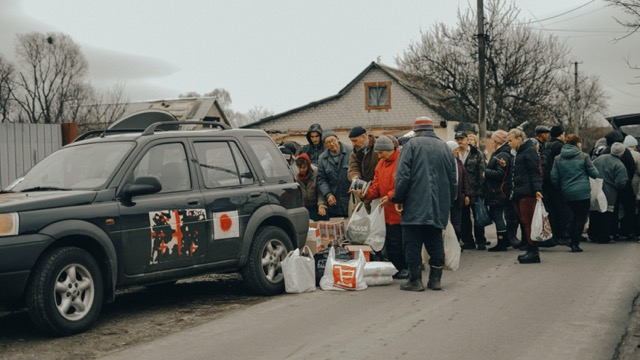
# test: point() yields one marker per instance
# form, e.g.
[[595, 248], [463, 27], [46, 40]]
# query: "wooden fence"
[[23, 145]]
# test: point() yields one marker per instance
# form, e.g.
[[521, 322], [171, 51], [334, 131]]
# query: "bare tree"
[[632, 8], [524, 68], [7, 75], [102, 108], [256, 113], [51, 78]]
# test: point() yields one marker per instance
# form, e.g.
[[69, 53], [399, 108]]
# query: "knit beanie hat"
[[327, 134], [630, 141], [499, 136], [556, 131], [452, 145], [383, 143], [617, 149], [423, 123], [614, 136], [357, 131]]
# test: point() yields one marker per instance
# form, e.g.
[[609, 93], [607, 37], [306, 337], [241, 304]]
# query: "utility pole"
[[576, 99], [482, 94]]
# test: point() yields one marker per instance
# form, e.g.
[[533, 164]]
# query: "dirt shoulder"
[[138, 315], [629, 348]]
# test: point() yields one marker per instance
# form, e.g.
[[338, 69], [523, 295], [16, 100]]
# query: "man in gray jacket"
[[425, 187]]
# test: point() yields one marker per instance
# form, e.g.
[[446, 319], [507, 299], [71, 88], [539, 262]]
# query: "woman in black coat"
[[526, 182], [497, 187]]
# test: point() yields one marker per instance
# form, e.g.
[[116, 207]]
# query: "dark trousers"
[[466, 226], [600, 226], [497, 215], [393, 245], [525, 208], [627, 201], [456, 220], [511, 218], [414, 236], [559, 213], [580, 212]]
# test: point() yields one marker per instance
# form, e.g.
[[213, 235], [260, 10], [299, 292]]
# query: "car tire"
[[263, 272], [66, 292]]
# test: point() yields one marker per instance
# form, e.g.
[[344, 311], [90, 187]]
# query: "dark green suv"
[[145, 208]]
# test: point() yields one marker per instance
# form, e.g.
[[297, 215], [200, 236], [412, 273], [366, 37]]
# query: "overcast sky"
[[281, 54]]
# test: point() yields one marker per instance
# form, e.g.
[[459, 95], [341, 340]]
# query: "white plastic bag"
[[377, 229], [451, 249], [343, 275], [299, 272], [598, 198], [359, 224], [378, 280], [540, 225], [379, 268]]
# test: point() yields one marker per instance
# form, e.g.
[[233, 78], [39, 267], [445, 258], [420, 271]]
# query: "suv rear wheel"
[[66, 292], [263, 271]]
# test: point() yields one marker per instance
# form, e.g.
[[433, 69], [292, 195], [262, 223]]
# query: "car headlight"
[[9, 224]]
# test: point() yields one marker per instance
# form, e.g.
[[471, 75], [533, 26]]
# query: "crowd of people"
[[424, 182]]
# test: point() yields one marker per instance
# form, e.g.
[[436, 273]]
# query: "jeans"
[[478, 231], [497, 215], [414, 236]]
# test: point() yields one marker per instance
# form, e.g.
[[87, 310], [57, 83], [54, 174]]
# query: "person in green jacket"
[[570, 174]]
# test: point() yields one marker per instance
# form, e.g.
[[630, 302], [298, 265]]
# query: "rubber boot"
[[532, 256], [503, 242], [435, 274], [414, 283]]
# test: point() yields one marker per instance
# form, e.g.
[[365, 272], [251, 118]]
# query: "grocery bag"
[[377, 229], [540, 225], [299, 272], [481, 215], [359, 224], [343, 275], [598, 198]]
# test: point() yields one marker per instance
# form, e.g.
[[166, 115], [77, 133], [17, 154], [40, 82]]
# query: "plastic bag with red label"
[[343, 275]]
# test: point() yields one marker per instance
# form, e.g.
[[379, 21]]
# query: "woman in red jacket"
[[382, 187]]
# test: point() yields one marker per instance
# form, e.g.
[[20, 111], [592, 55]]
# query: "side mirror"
[[143, 185]]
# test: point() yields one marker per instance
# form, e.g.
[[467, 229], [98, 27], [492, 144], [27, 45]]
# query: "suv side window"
[[271, 159], [169, 163], [222, 164]]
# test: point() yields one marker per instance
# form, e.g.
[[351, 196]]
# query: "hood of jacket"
[[314, 128], [569, 151]]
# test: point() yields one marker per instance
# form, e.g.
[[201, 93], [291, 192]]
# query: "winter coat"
[[332, 179], [310, 149], [463, 184], [614, 176], [474, 166], [426, 181], [627, 161], [363, 165], [570, 173], [550, 151], [496, 177], [636, 177], [382, 185], [311, 197], [525, 172]]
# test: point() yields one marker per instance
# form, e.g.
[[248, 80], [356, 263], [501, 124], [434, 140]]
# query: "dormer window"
[[377, 96]]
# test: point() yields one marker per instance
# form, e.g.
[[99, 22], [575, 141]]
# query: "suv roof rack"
[[101, 133], [150, 130]]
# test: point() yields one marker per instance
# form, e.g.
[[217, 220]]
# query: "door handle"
[[193, 202], [254, 194]]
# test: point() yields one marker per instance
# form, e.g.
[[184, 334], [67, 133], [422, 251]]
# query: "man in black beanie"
[[559, 212], [363, 160]]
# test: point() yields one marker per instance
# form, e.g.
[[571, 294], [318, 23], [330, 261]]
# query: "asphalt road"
[[571, 306]]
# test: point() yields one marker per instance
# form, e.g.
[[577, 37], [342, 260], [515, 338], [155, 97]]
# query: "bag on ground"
[[598, 198], [322, 256], [481, 215], [452, 249], [540, 225], [343, 275], [299, 271], [377, 229], [378, 280]]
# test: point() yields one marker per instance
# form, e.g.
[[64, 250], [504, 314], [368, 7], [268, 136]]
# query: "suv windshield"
[[79, 167]]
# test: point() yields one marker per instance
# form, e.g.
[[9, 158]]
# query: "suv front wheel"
[[263, 271], [66, 292]]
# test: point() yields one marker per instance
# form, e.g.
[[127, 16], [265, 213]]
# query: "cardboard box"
[[333, 230], [314, 241], [355, 251]]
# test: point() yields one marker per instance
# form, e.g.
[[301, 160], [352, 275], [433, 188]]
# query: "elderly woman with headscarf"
[[526, 187]]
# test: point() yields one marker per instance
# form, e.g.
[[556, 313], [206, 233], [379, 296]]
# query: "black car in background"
[[145, 207]]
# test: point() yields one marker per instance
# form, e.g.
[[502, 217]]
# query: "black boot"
[[435, 274], [503, 242], [531, 256], [521, 245], [575, 247], [414, 283]]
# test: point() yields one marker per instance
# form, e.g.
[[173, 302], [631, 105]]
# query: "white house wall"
[[349, 110]]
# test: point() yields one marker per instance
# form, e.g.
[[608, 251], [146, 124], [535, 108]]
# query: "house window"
[[377, 96]]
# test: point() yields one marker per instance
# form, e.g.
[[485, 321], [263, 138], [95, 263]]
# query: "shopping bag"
[[481, 215], [452, 249], [322, 256], [540, 225], [299, 272], [598, 198], [358, 227], [343, 275], [377, 229]]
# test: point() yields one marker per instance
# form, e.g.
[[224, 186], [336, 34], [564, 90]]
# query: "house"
[[380, 98], [200, 108]]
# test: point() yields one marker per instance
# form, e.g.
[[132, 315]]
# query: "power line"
[[561, 14]]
